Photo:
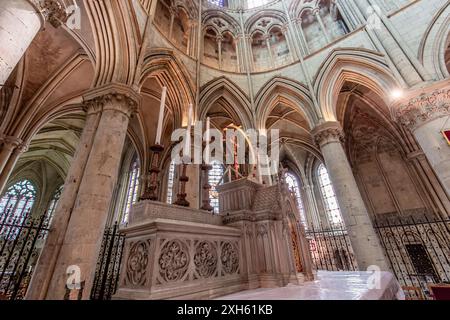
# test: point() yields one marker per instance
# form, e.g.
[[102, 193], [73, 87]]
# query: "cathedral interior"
[[93, 205]]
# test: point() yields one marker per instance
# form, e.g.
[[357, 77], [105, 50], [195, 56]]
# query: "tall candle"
[[208, 140], [187, 144], [161, 116]]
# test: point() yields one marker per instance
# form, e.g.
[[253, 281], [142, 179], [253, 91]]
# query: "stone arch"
[[162, 64], [355, 65], [291, 90], [432, 51], [237, 100], [264, 20], [221, 22]]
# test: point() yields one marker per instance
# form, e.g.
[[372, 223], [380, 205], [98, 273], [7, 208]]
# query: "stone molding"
[[427, 107], [53, 11], [114, 96], [328, 132], [14, 143]]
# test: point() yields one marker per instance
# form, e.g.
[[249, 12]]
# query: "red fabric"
[[447, 135], [441, 293]]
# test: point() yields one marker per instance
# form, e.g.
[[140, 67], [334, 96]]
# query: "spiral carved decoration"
[[205, 259], [229, 258], [137, 263], [173, 261]]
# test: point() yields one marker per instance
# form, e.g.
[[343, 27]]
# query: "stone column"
[[219, 48], [83, 238], [269, 49], [365, 242], [12, 149], [20, 21], [322, 25], [426, 116], [47, 260]]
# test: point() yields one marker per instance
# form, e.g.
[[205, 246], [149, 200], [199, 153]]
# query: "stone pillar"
[[47, 260], [364, 240], [426, 116], [322, 25], [11, 150], [20, 21], [219, 48], [83, 238]]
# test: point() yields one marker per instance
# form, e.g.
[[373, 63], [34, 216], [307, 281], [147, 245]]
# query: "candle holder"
[[151, 189], [206, 188], [181, 196]]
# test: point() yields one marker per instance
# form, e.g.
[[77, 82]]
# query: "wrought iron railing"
[[418, 249], [21, 239], [331, 249], [108, 265]]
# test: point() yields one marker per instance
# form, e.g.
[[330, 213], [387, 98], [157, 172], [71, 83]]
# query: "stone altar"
[[173, 252]]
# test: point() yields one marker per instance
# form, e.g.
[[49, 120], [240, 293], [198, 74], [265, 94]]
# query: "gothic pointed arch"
[[434, 48], [291, 92], [355, 65], [222, 89]]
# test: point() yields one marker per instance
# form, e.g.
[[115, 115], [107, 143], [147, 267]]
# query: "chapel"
[[199, 149]]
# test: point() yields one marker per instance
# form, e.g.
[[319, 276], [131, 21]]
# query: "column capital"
[[53, 11], [328, 132], [424, 108], [113, 96], [13, 143]]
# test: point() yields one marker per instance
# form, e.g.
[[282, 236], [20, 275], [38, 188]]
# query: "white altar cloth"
[[330, 286]]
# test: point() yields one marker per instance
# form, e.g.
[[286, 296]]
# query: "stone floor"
[[329, 286]]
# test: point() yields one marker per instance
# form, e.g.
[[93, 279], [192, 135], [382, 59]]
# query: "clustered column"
[[83, 217], [364, 240]]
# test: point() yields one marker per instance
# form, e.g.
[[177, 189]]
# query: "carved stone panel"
[[205, 259], [229, 258], [137, 263], [173, 261]]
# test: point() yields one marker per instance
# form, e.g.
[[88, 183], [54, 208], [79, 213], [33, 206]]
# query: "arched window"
[[170, 182], [219, 3], [132, 189], [53, 203], [329, 196], [15, 206], [293, 184], [215, 176]]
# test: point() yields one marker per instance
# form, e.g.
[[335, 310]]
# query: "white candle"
[[187, 145], [208, 140], [161, 116]]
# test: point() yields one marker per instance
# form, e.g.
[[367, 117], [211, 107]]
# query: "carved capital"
[[328, 132], [13, 143], [422, 109], [53, 11], [112, 97]]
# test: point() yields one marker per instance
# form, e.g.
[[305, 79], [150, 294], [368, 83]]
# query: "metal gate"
[[418, 249], [21, 239], [331, 249]]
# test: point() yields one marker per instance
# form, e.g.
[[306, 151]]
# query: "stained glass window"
[[215, 176], [132, 189], [293, 184], [170, 183], [15, 206], [329, 196], [219, 3]]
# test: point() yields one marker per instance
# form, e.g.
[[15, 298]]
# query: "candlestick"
[[208, 141], [161, 116], [151, 188], [187, 143]]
